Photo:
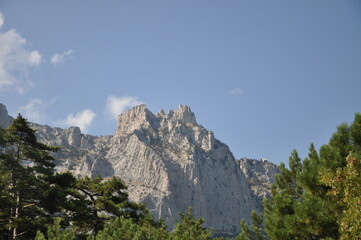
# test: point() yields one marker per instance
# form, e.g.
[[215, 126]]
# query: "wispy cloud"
[[82, 119], [117, 105], [61, 57], [236, 91], [16, 60], [35, 110]]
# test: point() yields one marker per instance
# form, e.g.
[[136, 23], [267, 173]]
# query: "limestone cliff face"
[[260, 175], [76, 147], [168, 161]]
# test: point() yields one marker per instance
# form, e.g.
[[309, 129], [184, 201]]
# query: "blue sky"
[[265, 76]]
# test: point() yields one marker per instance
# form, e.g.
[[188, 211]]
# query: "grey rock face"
[[74, 146], [5, 119], [260, 175], [169, 163]]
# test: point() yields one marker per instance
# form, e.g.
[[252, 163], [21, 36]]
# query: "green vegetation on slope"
[[319, 197]]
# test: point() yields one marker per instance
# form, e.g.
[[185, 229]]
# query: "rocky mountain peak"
[[184, 115], [140, 117], [169, 163], [161, 113], [135, 119], [74, 136], [5, 119]]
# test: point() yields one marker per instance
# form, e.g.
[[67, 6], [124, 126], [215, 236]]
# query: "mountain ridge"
[[169, 163]]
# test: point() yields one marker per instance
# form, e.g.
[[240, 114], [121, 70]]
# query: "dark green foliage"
[[257, 226], [257, 231], [246, 233], [121, 228], [95, 201], [356, 133], [94, 208], [298, 209], [279, 209], [301, 206], [346, 190], [190, 229], [25, 170], [55, 232]]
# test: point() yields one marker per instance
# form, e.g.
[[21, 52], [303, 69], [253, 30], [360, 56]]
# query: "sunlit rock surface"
[[260, 175], [169, 162]]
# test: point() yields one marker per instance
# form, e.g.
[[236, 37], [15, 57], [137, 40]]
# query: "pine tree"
[[297, 208], [246, 233], [25, 169], [121, 228], [301, 206], [346, 190], [55, 232], [95, 201], [257, 231], [280, 208], [257, 226]]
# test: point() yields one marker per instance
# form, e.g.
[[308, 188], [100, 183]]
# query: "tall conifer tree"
[[25, 169], [304, 203]]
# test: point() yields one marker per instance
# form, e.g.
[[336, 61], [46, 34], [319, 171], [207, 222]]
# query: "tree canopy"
[[26, 168], [319, 197]]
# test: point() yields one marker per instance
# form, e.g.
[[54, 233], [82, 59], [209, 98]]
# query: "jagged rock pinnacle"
[[140, 117], [185, 115], [134, 119], [5, 119], [74, 137]]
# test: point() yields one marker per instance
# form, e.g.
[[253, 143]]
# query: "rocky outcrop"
[[74, 146], [5, 119], [260, 175], [169, 163]]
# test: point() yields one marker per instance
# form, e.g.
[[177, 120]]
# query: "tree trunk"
[[15, 209], [17, 214], [14, 214]]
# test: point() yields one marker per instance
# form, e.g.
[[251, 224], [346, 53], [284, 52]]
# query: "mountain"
[[169, 162], [5, 119], [260, 175]]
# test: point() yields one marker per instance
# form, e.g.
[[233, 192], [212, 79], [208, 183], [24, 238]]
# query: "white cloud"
[[16, 60], [35, 110], [117, 105], [236, 91], [61, 57], [82, 119], [1, 19], [34, 58]]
